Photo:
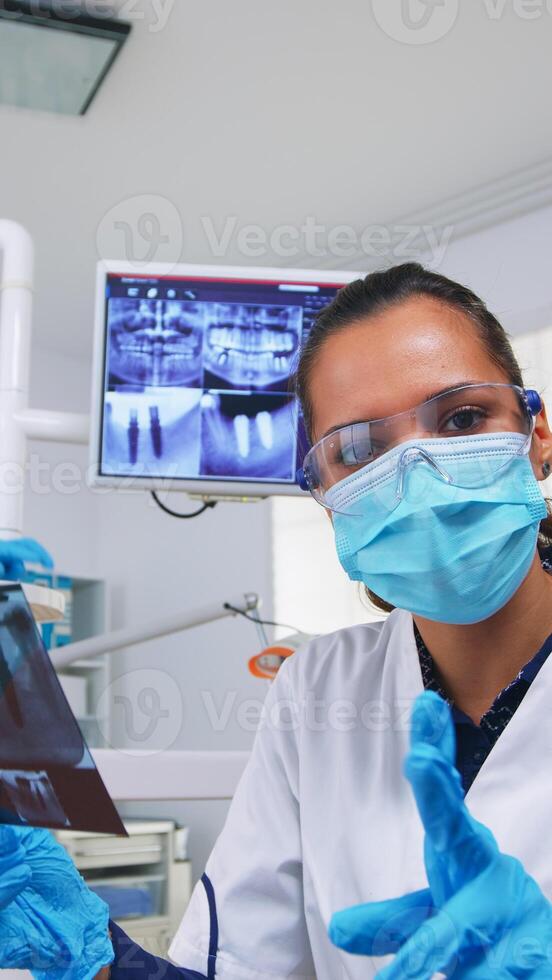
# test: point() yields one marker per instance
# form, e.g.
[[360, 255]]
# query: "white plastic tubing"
[[17, 421], [16, 290]]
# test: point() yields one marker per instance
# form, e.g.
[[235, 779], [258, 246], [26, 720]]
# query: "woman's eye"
[[463, 419]]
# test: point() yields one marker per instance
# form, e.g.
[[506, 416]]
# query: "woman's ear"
[[541, 448]]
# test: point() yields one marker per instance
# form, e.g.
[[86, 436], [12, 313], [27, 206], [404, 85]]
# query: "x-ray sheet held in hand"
[[47, 775]]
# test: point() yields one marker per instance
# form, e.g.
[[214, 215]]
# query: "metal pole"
[[131, 636]]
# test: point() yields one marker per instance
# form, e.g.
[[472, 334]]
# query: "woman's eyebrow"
[[451, 387], [434, 394]]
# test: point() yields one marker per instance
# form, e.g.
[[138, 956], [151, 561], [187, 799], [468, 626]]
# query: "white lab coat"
[[323, 817]]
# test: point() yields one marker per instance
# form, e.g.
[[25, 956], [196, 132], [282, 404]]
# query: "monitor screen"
[[194, 369]]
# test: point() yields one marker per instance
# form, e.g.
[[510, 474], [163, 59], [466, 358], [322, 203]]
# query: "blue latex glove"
[[14, 554], [50, 922], [482, 916]]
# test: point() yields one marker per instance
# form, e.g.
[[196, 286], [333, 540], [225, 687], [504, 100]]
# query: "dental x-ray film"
[[196, 378], [47, 775]]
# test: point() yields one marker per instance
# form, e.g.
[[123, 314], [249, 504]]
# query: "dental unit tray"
[[192, 372]]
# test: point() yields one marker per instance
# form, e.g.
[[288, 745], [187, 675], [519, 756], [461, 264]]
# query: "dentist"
[[427, 452]]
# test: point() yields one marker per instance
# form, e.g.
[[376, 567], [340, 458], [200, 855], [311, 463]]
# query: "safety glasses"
[[388, 445]]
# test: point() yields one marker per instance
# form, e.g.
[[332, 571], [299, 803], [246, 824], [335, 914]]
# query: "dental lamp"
[[268, 661]]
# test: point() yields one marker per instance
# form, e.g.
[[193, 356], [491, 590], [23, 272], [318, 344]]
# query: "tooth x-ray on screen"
[[196, 371]]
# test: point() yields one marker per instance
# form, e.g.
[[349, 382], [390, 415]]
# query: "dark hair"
[[380, 290]]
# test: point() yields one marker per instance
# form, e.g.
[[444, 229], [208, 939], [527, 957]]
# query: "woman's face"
[[399, 358]]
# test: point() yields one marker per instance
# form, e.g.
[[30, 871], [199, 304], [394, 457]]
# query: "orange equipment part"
[[267, 663]]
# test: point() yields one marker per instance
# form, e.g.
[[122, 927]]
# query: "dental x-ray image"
[[32, 796], [251, 346], [155, 432], [185, 364], [248, 436], [47, 775], [155, 342]]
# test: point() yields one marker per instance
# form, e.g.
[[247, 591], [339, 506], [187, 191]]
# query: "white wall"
[[508, 265], [311, 590]]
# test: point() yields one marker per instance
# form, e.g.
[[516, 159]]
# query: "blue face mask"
[[446, 528]]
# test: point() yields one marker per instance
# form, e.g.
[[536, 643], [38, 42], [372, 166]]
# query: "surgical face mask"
[[446, 528]]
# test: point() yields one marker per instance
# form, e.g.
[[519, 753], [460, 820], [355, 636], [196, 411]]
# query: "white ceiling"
[[272, 111]]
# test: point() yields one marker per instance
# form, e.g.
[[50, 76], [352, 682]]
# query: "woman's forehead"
[[394, 360]]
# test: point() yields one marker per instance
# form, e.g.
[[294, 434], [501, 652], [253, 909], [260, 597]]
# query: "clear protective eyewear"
[[388, 445]]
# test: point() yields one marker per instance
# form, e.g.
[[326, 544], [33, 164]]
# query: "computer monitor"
[[192, 369]]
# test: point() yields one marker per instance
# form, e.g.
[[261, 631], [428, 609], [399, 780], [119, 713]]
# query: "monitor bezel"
[[196, 487]]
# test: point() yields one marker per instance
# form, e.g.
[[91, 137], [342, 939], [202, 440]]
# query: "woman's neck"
[[477, 661]]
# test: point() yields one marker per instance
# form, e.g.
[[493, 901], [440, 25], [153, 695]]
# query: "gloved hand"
[[482, 916], [13, 555], [50, 922]]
